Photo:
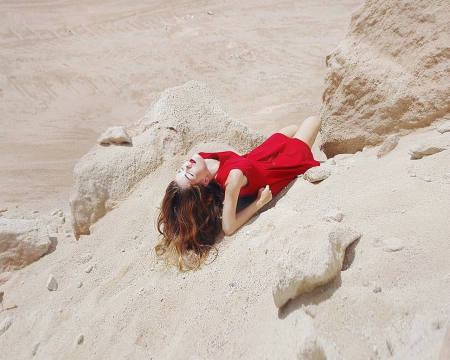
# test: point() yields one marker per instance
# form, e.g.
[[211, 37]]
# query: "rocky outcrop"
[[312, 263], [389, 75], [389, 144], [115, 135], [21, 243], [179, 119]]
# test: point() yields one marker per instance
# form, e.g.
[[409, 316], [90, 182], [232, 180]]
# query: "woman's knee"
[[314, 121], [309, 129]]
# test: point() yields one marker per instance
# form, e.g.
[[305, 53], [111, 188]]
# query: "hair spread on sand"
[[189, 221]]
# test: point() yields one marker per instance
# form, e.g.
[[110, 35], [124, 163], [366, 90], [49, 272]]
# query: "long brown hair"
[[189, 221]]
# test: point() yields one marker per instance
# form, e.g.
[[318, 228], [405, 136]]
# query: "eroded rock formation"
[[179, 119], [389, 75], [311, 263], [21, 243]]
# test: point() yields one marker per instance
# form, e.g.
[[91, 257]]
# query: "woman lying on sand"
[[202, 200]]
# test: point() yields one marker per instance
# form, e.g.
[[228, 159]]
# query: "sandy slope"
[[265, 64], [69, 70]]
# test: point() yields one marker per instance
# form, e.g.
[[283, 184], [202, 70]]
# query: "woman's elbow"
[[228, 230]]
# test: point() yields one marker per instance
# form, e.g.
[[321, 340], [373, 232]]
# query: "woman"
[[202, 200]]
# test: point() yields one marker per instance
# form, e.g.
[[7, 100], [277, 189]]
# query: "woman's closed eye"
[[188, 175]]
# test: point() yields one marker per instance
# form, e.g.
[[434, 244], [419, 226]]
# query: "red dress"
[[276, 162]]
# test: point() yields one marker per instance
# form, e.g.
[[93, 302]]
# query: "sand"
[[70, 70]]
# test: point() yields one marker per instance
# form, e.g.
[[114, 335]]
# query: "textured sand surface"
[[70, 70]]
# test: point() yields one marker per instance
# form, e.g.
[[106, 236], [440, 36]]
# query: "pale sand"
[[70, 70]]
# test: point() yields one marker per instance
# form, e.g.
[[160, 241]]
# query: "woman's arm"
[[230, 220]]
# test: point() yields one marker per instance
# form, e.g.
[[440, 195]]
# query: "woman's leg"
[[308, 130], [289, 131]]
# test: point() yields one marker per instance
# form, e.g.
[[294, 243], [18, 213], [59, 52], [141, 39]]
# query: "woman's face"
[[193, 171]]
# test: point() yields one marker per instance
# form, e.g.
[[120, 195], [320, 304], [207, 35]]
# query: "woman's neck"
[[213, 166]]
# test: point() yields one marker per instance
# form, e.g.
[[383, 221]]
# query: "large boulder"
[[179, 119], [313, 262], [389, 75], [21, 242]]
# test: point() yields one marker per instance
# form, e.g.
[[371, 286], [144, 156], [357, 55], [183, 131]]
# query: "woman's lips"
[[192, 161]]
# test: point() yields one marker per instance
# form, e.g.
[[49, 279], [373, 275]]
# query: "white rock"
[[444, 127], [334, 215], [115, 135], [5, 324], [388, 145], [313, 263], [80, 339], [177, 120], [317, 173], [392, 244], [57, 212], [419, 151], [52, 284], [3, 209], [22, 242], [35, 348], [89, 269], [85, 257]]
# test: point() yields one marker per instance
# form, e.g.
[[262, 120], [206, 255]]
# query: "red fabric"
[[276, 162]]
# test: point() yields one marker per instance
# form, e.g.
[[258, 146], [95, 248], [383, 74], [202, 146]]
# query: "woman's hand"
[[264, 196]]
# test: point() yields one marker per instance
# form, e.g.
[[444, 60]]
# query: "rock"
[[3, 209], [444, 127], [386, 75], [57, 212], [311, 264], [52, 285], [80, 284], [377, 290], [85, 257], [175, 123], [115, 135], [334, 215], [419, 151], [22, 242], [80, 339], [392, 244], [388, 145], [5, 324], [89, 269], [35, 348], [317, 173]]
